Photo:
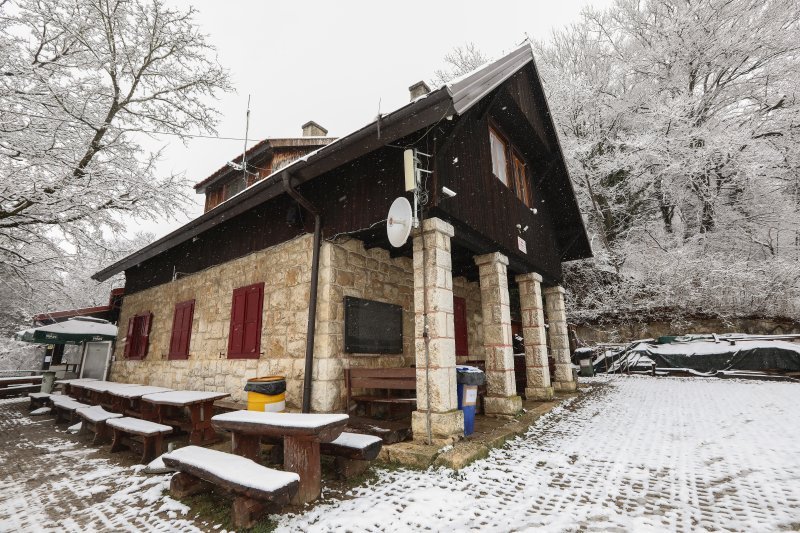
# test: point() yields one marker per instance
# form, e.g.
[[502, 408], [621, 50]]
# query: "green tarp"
[[73, 331]]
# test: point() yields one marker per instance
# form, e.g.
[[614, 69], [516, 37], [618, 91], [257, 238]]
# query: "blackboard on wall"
[[372, 327]]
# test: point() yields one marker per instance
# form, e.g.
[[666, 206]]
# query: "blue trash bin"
[[468, 378]]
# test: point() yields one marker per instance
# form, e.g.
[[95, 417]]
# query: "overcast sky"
[[333, 62]]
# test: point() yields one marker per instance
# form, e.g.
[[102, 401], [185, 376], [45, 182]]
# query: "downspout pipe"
[[312, 303]]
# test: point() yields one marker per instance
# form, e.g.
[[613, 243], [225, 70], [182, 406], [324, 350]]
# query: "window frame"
[[520, 185], [176, 351]]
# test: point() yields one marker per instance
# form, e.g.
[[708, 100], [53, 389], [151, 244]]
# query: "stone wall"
[[350, 270], [471, 292], [285, 270], [590, 334]]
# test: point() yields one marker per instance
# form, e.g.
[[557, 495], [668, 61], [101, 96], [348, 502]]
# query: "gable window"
[[138, 338], [509, 167], [181, 330], [499, 162], [244, 339]]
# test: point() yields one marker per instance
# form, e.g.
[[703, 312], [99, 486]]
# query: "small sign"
[[470, 395], [522, 245]]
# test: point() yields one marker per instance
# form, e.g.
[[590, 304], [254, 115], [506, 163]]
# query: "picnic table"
[[96, 391], [127, 400], [19, 385], [169, 407], [66, 384], [301, 434]]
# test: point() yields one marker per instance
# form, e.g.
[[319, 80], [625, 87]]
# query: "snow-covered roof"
[[455, 98]]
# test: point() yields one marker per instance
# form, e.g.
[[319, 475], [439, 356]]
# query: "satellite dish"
[[399, 221]]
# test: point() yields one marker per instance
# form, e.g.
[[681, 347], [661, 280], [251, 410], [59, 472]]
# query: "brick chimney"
[[312, 129], [418, 89]]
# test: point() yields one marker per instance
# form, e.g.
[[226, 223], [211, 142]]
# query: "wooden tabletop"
[[326, 427], [183, 397], [137, 391]]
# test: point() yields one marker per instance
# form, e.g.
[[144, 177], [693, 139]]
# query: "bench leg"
[[116, 441], [246, 445], [246, 511], [100, 433], [350, 468], [301, 456], [151, 447], [183, 484]]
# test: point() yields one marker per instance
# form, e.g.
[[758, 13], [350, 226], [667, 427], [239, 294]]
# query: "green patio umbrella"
[[73, 331]]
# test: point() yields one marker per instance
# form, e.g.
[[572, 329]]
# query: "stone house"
[[293, 246]]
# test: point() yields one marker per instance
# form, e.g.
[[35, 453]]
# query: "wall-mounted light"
[[450, 193]]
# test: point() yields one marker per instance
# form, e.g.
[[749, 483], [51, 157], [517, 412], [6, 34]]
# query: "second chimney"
[[312, 129], [418, 89]]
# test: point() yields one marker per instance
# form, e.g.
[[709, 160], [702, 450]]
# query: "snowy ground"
[[642, 454], [635, 454]]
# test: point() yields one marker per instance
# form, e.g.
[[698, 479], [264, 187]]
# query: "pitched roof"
[[454, 98]]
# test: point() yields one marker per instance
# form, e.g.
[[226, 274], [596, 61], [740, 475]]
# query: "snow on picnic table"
[[311, 421], [640, 454]]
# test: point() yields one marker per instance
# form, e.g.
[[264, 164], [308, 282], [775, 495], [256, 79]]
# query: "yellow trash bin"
[[266, 394]]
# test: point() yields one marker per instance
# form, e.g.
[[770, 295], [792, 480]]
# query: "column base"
[[502, 405], [446, 428], [539, 393], [565, 386]]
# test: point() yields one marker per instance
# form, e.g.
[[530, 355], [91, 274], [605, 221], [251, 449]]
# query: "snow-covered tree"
[[82, 83], [458, 61]]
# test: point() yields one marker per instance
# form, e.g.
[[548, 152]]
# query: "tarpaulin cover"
[[709, 356]]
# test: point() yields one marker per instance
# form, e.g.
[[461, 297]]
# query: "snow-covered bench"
[[251, 483], [353, 452], [65, 409], [39, 399], [151, 434], [95, 418]]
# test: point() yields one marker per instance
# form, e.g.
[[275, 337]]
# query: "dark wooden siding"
[[483, 203]]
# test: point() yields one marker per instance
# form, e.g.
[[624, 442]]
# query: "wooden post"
[[246, 511], [246, 445], [301, 456]]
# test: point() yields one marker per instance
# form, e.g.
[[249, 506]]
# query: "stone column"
[[433, 289], [501, 389], [536, 367], [559, 340]]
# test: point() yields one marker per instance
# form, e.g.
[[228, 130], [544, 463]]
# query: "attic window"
[[235, 186], [509, 167]]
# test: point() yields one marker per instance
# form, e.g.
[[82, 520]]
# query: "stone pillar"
[[536, 367], [559, 339], [501, 393], [433, 289]]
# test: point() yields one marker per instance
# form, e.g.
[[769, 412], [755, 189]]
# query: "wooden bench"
[[65, 410], [251, 483], [387, 379], [39, 399], [94, 419], [353, 452], [151, 434]]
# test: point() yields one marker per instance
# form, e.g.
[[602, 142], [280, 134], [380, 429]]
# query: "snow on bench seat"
[[69, 405], [239, 474], [312, 421], [39, 395], [353, 446], [38, 399], [96, 414], [138, 427], [61, 398]]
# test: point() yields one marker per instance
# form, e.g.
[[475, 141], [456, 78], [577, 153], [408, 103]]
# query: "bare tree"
[[82, 82], [459, 61]]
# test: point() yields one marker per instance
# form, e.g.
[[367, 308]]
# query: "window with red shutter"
[[244, 339], [138, 339], [460, 323], [181, 330]]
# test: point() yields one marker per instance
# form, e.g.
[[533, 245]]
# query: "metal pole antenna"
[[246, 131]]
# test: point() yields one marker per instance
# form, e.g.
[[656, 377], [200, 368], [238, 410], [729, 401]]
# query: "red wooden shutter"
[[245, 334], [181, 330], [130, 338], [144, 334], [460, 319]]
